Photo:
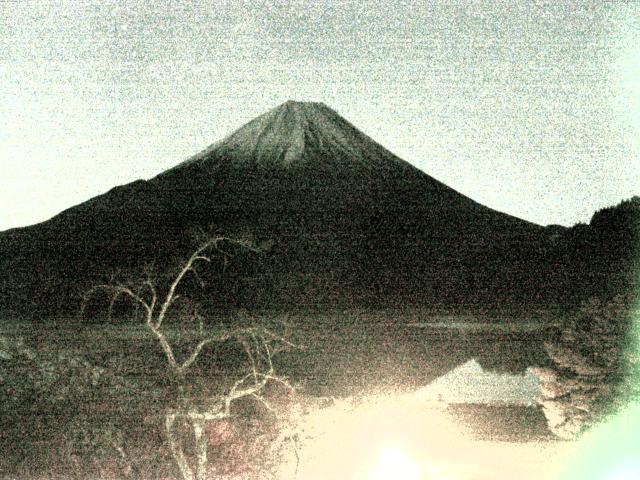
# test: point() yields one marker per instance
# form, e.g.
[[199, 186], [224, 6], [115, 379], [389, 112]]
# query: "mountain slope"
[[350, 223]]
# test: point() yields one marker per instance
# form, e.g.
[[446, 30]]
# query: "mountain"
[[348, 222]]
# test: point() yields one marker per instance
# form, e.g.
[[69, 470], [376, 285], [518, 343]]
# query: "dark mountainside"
[[346, 222]]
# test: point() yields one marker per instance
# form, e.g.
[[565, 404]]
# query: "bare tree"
[[259, 344], [144, 295]]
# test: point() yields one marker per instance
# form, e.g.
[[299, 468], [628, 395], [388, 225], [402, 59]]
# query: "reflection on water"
[[464, 326], [469, 383], [378, 354]]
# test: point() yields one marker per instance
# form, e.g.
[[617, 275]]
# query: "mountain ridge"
[[350, 221], [302, 136]]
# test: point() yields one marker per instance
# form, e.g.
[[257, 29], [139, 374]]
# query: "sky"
[[531, 108]]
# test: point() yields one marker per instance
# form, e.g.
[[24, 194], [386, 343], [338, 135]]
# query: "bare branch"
[[176, 448], [170, 298], [282, 381], [154, 295], [194, 354], [252, 360], [164, 344], [264, 402], [198, 279], [268, 353], [256, 343], [116, 291], [234, 393], [201, 447], [282, 340]]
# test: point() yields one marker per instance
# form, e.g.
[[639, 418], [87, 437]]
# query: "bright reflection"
[[611, 451], [409, 437], [394, 464], [627, 472]]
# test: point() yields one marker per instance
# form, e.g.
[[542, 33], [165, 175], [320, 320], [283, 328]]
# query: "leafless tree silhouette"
[[258, 342]]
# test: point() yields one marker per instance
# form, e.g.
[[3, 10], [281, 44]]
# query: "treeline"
[[598, 260], [594, 347], [595, 360]]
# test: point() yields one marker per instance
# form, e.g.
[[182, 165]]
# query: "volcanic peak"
[[294, 134]]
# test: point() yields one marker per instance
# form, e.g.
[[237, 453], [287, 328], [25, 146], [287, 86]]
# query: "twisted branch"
[[259, 343]]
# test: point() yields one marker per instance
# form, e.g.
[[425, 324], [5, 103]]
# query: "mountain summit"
[[297, 132], [306, 158], [349, 223]]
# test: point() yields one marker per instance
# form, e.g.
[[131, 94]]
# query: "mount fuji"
[[347, 222]]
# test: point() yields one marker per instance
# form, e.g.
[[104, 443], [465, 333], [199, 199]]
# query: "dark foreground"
[[83, 400]]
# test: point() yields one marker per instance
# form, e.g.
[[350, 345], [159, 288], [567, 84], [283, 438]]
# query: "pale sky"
[[530, 108]]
